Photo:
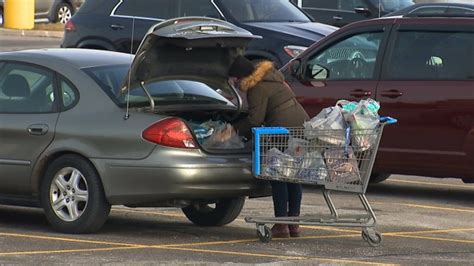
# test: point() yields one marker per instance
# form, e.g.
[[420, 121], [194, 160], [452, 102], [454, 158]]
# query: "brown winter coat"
[[270, 101]]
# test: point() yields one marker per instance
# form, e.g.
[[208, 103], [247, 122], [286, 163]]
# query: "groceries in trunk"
[[217, 135]]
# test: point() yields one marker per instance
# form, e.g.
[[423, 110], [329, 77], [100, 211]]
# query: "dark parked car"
[[430, 9], [342, 12], [420, 69], [54, 10], [109, 24], [78, 134]]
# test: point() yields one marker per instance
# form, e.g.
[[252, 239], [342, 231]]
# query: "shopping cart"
[[340, 160]]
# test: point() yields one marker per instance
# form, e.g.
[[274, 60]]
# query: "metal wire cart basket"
[[340, 160]]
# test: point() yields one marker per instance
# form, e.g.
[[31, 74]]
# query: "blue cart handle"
[[388, 120]]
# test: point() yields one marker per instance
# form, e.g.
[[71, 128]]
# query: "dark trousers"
[[286, 198]]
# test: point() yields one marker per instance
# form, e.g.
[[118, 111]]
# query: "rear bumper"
[[178, 175]]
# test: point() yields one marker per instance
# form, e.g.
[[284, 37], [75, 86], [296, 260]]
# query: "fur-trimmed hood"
[[264, 71]]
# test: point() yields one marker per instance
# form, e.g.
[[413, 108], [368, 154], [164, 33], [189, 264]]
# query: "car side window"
[[69, 93], [430, 55], [159, 9], [352, 58], [198, 8], [351, 4], [327, 4], [26, 89]]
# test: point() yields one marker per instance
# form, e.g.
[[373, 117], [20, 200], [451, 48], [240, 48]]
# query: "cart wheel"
[[373, 239], [264, 233]]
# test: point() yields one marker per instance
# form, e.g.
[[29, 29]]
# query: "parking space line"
[[40, 252], [175, 215], [84, 241], [429, 183], [431, 231], [425, 206], [274, 256]]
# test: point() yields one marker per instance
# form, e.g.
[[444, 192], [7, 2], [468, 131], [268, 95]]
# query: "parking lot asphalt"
[[423, 221]]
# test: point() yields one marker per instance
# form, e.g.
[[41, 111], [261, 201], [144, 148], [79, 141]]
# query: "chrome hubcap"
[[69, 194], [64, 14]]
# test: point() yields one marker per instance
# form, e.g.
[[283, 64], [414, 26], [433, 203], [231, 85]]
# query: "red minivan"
[[420, 69]]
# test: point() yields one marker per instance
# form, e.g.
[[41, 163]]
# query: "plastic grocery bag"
[[312, 167], [279, 164], [363, 118], [341, 165], [330, 118], [223, 136]]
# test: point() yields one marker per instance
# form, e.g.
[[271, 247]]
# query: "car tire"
[[73, 197], [224, 212], [63, 13], [378, 178]]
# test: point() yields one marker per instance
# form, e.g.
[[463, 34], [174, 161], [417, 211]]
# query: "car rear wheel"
[[63, 13], [72, 196], [221, 213], [378, 178]]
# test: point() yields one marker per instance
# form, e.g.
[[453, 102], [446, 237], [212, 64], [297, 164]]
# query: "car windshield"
[[165, 93], [393, 5], [263, 11]]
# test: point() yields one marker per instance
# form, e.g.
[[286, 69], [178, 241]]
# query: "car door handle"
[[360, 93], [337, 18], [117, 27], [38, 129], [391, 94]]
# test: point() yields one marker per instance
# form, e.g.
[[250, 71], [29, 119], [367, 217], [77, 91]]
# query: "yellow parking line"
[[70, 240], [175, 215], [275, 256], [18, 253], [430, 231], [425, 206], [429, 183]]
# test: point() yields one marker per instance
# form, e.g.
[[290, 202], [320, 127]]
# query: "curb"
[[31, 33]]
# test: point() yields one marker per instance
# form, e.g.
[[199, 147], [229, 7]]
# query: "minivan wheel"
[[63, 13], [223, 212], [72, 196], [378, 178]]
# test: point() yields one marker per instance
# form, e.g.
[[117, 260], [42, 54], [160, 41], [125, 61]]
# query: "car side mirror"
[[363, 10], [295, 68], [317, 72]]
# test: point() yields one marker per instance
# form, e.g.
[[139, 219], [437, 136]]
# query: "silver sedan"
[[78, 134]]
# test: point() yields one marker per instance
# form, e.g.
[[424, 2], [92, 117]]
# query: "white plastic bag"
[[330, 118], [224, 137], [363, 120], [313, 167], [279, 164]]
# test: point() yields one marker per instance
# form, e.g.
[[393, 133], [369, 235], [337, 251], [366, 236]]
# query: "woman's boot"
[[280, 230], [294, 228]]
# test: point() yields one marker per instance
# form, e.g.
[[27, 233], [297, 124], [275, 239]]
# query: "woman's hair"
[[241, 67]]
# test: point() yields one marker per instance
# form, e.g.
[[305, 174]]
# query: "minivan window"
[[165, 9], [352, 58], [264, 11], [334, 4], [429, 55]]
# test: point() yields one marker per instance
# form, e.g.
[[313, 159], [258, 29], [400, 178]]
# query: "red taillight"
[[171, 132], [69, 26]]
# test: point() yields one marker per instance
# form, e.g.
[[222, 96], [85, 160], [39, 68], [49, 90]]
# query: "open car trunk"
[[181, 69]]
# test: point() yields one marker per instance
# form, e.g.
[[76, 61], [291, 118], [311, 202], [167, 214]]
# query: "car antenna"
[[127, 113]]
